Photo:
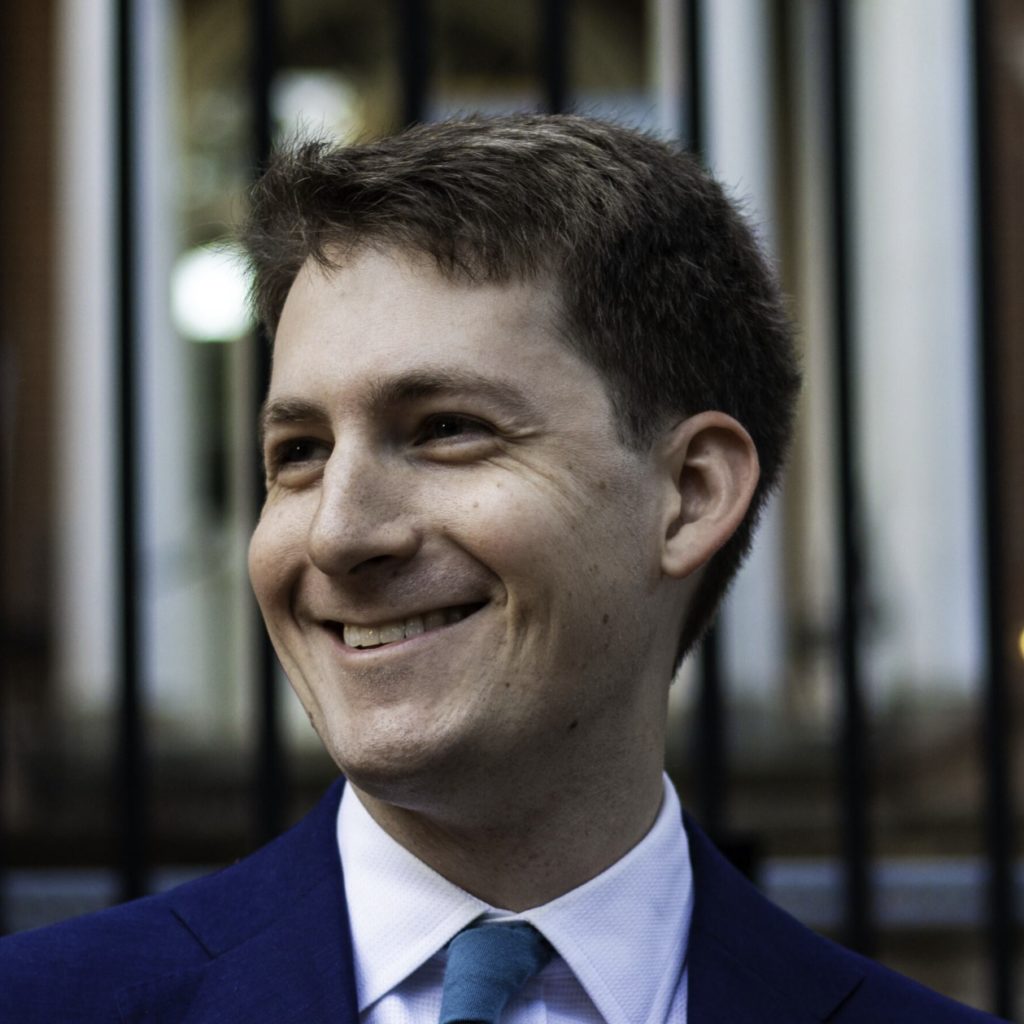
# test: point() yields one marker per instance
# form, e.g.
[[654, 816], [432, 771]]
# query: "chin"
[[400, 766]]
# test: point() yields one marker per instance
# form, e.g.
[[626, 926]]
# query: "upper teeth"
[[391, 632]]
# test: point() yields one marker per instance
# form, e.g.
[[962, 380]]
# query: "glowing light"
[[208, 294], [1020, 643], [321, 102]]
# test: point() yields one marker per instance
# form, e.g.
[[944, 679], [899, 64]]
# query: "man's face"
[[458, 560]]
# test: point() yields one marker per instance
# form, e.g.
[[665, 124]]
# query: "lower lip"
[[409, 643]]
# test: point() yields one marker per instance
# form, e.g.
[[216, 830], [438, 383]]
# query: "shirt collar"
[[616, 932]]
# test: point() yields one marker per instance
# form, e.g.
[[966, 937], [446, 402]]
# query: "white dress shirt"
[[620, 939]]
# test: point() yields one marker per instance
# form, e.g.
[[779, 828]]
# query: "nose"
[[364, 517]]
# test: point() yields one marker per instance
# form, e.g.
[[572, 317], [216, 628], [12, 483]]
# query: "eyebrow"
[[428, 383], [281, 411], [392, 391]]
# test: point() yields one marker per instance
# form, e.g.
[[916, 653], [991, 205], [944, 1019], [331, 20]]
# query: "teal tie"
[[487, 965]]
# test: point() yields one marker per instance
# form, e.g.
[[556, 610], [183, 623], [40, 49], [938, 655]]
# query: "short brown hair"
[[664, 289]]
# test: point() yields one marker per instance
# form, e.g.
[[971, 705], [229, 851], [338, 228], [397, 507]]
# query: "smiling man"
[[460, 563], [532, 384]]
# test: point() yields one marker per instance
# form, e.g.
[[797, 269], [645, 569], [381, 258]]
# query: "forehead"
[[382, 315], [390, 287]]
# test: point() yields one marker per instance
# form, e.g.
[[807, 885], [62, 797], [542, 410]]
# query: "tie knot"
[[487, 965]]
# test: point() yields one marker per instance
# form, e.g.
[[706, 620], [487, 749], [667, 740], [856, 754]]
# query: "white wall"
[[86, 584], [915, 335]]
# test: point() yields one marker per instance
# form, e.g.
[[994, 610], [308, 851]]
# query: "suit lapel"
[[751, 962], [724, 991], [276, 933], [275, 929]]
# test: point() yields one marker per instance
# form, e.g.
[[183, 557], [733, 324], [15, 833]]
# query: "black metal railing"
[[131, 774], [709, 740], [853, 770], [996, 717]]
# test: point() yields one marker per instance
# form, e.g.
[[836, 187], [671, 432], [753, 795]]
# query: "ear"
[[711, 470]]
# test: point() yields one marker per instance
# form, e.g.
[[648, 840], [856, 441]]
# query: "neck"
[[533, 843]]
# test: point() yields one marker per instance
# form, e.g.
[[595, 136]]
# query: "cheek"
[[551, 528], [276, 551], [551, 564], [512, 530]]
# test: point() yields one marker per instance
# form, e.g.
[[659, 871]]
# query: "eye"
[[296, 451], [451, 427]]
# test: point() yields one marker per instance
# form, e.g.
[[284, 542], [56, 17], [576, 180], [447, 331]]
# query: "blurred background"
[[848, 732]]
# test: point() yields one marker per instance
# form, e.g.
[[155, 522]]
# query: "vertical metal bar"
[[711, 765], [413, 58], [131, 761], [709, 744], [554, 55], [271, 771], [8, 35], [693, 101], [852, 746], [6, 659], [996, 741], [263, 16]]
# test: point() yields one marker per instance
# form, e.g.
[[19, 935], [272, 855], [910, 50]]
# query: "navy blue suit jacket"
[[267, 940]]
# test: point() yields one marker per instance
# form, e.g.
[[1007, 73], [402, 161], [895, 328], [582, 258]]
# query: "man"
[[532, 384]]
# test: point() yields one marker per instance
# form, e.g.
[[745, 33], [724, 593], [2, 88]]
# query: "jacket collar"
[[275, 929], [751, 962]]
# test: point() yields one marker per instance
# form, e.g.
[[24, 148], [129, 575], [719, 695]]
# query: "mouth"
[[384, 633]]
